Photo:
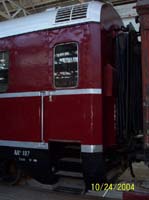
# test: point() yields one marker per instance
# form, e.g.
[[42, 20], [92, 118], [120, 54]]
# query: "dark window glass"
[[4, 64], [66, 65]]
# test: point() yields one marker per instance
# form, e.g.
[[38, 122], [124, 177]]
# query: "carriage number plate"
[[25, 153]]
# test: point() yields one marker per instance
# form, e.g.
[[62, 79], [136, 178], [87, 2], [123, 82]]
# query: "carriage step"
[[69, 164], [69, 174], [70, 159], [70, 190], [75, 147]]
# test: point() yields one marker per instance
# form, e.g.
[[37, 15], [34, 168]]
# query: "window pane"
[[4, 64], [66, 65]]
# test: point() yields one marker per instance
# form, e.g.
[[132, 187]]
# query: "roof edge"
[[47, 20]]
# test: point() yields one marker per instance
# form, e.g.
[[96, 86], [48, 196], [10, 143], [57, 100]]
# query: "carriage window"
[[66, 65], [4, 64]]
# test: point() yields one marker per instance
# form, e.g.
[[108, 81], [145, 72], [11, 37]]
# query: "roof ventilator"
[[71, 13]]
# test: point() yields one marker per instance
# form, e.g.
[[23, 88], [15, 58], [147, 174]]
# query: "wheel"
[[12, 174]]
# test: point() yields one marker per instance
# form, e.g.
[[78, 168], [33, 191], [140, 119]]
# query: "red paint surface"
[[109, 21], [20, 119], [74, 117], [135, 196], [31, 57]]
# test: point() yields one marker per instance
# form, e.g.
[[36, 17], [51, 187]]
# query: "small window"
[[66, 65], [4, 64]]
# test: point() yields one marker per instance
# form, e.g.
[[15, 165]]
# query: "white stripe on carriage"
[[52, 93], [40, 145], [20, 144]]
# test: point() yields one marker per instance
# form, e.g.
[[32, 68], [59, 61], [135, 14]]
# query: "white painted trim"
[[46, 20], [20, 144], [52, 93], [91, 148], [74, 92], [42, 145], [20, 94]]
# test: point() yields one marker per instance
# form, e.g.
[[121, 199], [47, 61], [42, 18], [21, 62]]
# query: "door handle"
[[50, 98]]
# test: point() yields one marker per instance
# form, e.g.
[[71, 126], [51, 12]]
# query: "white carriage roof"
[[52, 18]]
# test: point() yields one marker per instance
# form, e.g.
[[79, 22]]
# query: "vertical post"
[[42, 116], [143, 11]]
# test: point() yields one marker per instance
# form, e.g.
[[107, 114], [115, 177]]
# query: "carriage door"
[[61, 106]]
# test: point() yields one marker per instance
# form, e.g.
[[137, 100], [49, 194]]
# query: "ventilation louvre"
[[63, 14], [71, 13]]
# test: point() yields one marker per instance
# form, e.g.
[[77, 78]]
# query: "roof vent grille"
[[71, 13], [63, 14], [79, 11]]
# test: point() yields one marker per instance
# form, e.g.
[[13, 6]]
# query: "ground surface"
[[31, 190], [32, 193], [141, 179]]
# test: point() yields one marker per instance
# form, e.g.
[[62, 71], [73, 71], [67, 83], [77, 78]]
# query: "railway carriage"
[[57, 91]]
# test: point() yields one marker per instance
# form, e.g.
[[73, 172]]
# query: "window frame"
[[8, 52], [65, 43]]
